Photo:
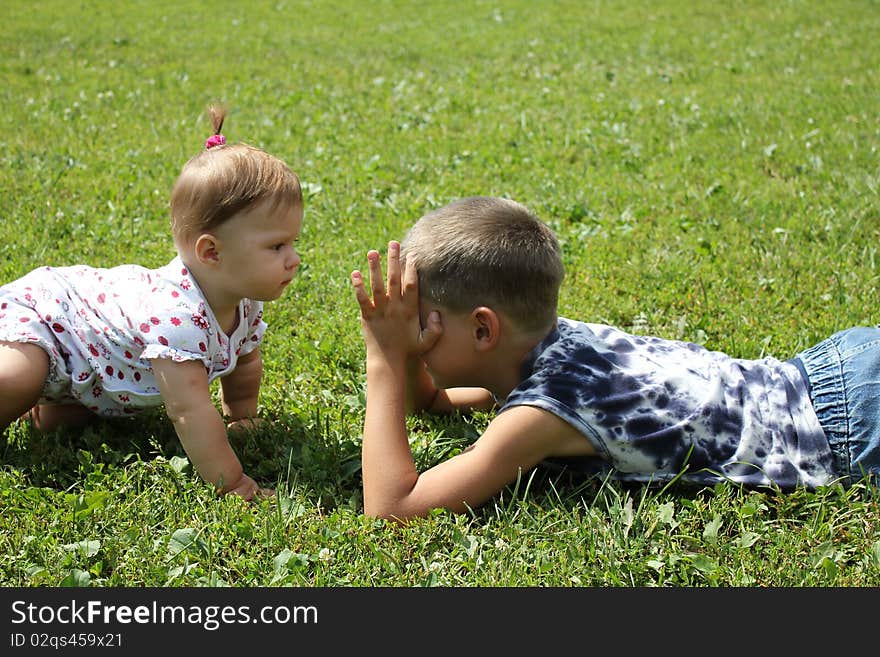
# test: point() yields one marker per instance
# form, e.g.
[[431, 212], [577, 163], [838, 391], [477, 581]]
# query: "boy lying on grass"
[[467, 320]]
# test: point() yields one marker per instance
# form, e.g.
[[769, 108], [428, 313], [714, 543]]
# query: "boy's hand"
[[390, 320]]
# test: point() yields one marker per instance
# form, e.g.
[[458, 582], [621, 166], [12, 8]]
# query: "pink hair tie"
[[215, 140]]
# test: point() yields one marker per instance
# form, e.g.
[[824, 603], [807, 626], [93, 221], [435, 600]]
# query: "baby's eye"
[[278, 247]]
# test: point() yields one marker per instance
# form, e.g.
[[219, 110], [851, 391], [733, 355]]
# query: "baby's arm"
[[186, 393], [240, 390]]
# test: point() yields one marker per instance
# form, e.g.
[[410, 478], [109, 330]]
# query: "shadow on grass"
[[57, 459], [287, 452]]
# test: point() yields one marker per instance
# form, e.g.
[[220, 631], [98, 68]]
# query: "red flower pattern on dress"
[[88, 341]]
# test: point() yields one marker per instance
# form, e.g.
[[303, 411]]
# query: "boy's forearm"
[[420, 389], [389, 472], [423, 395]]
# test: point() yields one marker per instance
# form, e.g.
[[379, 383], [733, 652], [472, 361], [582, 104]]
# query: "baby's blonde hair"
[[484, 251], [225, 179]]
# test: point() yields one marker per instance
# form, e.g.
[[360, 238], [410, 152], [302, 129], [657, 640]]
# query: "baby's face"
[[258, 250]]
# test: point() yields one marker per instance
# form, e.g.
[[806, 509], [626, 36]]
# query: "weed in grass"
[[712, 176]]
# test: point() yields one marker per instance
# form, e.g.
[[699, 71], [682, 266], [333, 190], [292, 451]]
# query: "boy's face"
[[258, 255], [452, 359]]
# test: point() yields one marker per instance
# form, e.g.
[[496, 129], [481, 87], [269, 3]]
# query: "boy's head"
[[223, 180], [484, 251]]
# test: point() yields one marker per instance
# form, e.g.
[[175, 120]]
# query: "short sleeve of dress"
[[166, 315], [176, 337], [184, 342], [154, 351]]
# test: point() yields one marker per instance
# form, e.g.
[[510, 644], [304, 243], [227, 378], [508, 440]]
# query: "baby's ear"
[[206, 249]]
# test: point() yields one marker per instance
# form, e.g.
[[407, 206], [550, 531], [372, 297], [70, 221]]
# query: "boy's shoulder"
[[579, 360], [577, 340], [570, 338], [575, 353]]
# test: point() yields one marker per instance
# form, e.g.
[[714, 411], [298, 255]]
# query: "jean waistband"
[[820, 367], [798, 363]]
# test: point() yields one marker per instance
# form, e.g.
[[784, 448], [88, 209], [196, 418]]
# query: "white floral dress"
[[103, 327]]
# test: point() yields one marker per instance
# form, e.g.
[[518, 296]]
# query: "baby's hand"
[[246, 424], [248, 489]]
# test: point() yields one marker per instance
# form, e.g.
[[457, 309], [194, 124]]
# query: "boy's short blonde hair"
[[223, 180], [484, 251]]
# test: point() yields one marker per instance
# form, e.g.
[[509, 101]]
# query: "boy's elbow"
[[389, 512], [378, 511]]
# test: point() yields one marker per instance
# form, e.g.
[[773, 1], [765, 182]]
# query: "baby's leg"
[[23, 371], [48, 417]]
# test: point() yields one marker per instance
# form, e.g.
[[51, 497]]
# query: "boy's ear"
[[207, 249], [486, 328]]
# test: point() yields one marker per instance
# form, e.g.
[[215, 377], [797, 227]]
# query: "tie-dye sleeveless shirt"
[[654, 409]]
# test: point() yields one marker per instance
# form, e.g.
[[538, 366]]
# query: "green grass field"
[[710, 168]]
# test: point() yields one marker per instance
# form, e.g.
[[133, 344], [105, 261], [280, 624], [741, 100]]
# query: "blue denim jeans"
[[843, 376]]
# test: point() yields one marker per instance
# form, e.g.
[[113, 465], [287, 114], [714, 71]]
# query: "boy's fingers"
[[410, 278], [393, 269], [411, 285], [432, 331], [360, 292], [376, 282]]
